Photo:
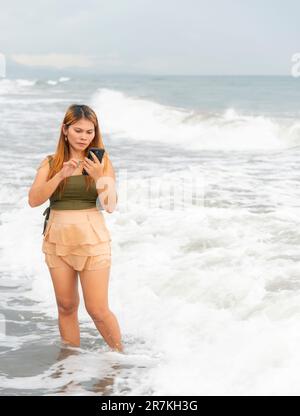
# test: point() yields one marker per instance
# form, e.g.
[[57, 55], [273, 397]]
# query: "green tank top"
[[75, 196]]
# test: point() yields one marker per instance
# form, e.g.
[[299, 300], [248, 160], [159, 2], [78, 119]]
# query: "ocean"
[[205, 279]]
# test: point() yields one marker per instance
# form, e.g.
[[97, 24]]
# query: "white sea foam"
[[64, 79], [210, 293], [144, 120], [11, 86]]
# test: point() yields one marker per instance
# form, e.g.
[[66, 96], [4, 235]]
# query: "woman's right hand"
[[68, 168]]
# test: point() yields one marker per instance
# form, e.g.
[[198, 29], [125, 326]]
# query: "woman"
[[76, 239]]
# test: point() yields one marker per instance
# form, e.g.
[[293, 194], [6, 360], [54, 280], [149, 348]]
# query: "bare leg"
[[65, 284], [95, 292]]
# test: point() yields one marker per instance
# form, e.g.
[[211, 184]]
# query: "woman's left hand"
[[94, 168]]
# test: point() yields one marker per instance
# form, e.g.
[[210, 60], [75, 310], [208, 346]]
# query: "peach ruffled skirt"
[[77, 238]]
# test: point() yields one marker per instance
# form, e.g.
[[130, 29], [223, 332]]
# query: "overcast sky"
[[153, 37]]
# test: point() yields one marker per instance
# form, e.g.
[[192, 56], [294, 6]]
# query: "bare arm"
[[41, 189], [107, 189]]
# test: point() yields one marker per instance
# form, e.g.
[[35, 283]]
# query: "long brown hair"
[[62, 154]]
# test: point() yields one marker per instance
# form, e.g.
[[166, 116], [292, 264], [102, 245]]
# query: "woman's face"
[[80, 134]]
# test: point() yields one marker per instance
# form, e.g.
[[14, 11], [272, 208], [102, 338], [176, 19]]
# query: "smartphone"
[[98, 152]]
